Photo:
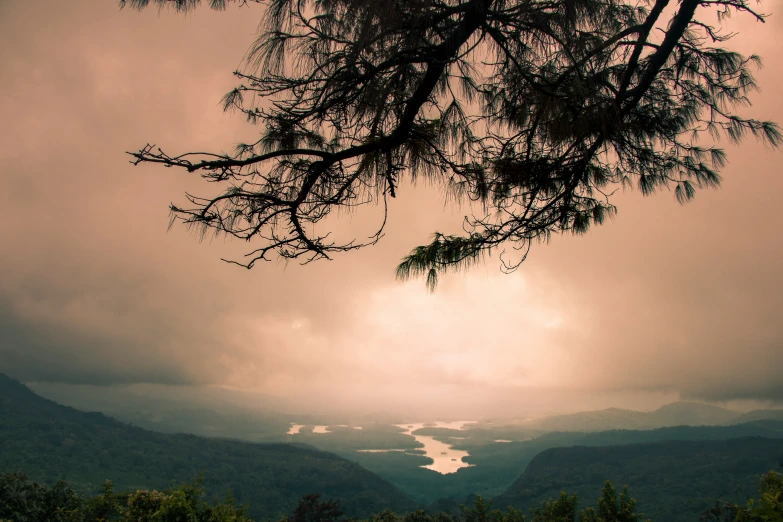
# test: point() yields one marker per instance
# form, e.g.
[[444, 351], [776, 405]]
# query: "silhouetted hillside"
[[50, 442], [199, 410], [674, 414], [673, 481], [760, 415]]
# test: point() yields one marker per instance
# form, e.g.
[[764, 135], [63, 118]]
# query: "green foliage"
[[767, 507], [181, 504], [26, 501], [312, 509], [481, 511], [612, 509], [104, 506], [562, 509]]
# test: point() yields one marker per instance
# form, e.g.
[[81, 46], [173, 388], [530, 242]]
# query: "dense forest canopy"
[[27, 501], [529, 113]]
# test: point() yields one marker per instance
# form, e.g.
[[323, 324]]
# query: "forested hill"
[[673, 480], [50, 442]]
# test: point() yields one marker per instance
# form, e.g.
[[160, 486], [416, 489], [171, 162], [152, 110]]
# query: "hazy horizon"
[[221, 399]]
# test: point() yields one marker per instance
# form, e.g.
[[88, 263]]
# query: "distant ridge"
[[214, 413], [674, 414], [760, 415], [49, 441]]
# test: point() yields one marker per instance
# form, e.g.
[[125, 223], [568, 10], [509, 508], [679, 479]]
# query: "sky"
[[665, 302]]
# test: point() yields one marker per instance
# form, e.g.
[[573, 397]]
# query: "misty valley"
[[677, 460]]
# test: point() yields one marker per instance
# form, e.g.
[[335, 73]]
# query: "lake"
[[445, 458], [296, 428]]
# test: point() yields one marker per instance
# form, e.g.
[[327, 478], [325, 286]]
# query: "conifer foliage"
[[530, 113]]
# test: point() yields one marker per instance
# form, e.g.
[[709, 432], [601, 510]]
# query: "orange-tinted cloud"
[[665, 300]]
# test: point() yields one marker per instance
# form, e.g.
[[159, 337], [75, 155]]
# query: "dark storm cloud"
[[80, 335], [750, 388], [44, 353]]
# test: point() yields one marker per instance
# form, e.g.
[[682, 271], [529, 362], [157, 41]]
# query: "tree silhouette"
[[532, 111], [312, 509]]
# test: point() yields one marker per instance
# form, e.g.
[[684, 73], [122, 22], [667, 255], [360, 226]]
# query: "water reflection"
[[445, 458], [295, 429]]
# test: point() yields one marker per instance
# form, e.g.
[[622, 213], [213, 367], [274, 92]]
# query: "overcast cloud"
[[663, 302]]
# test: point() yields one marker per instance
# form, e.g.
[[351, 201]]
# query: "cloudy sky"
[[664, 302]]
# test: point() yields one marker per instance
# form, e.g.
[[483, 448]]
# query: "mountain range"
[[51, 442], [218, 412], [675, 414], [668, 469]]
